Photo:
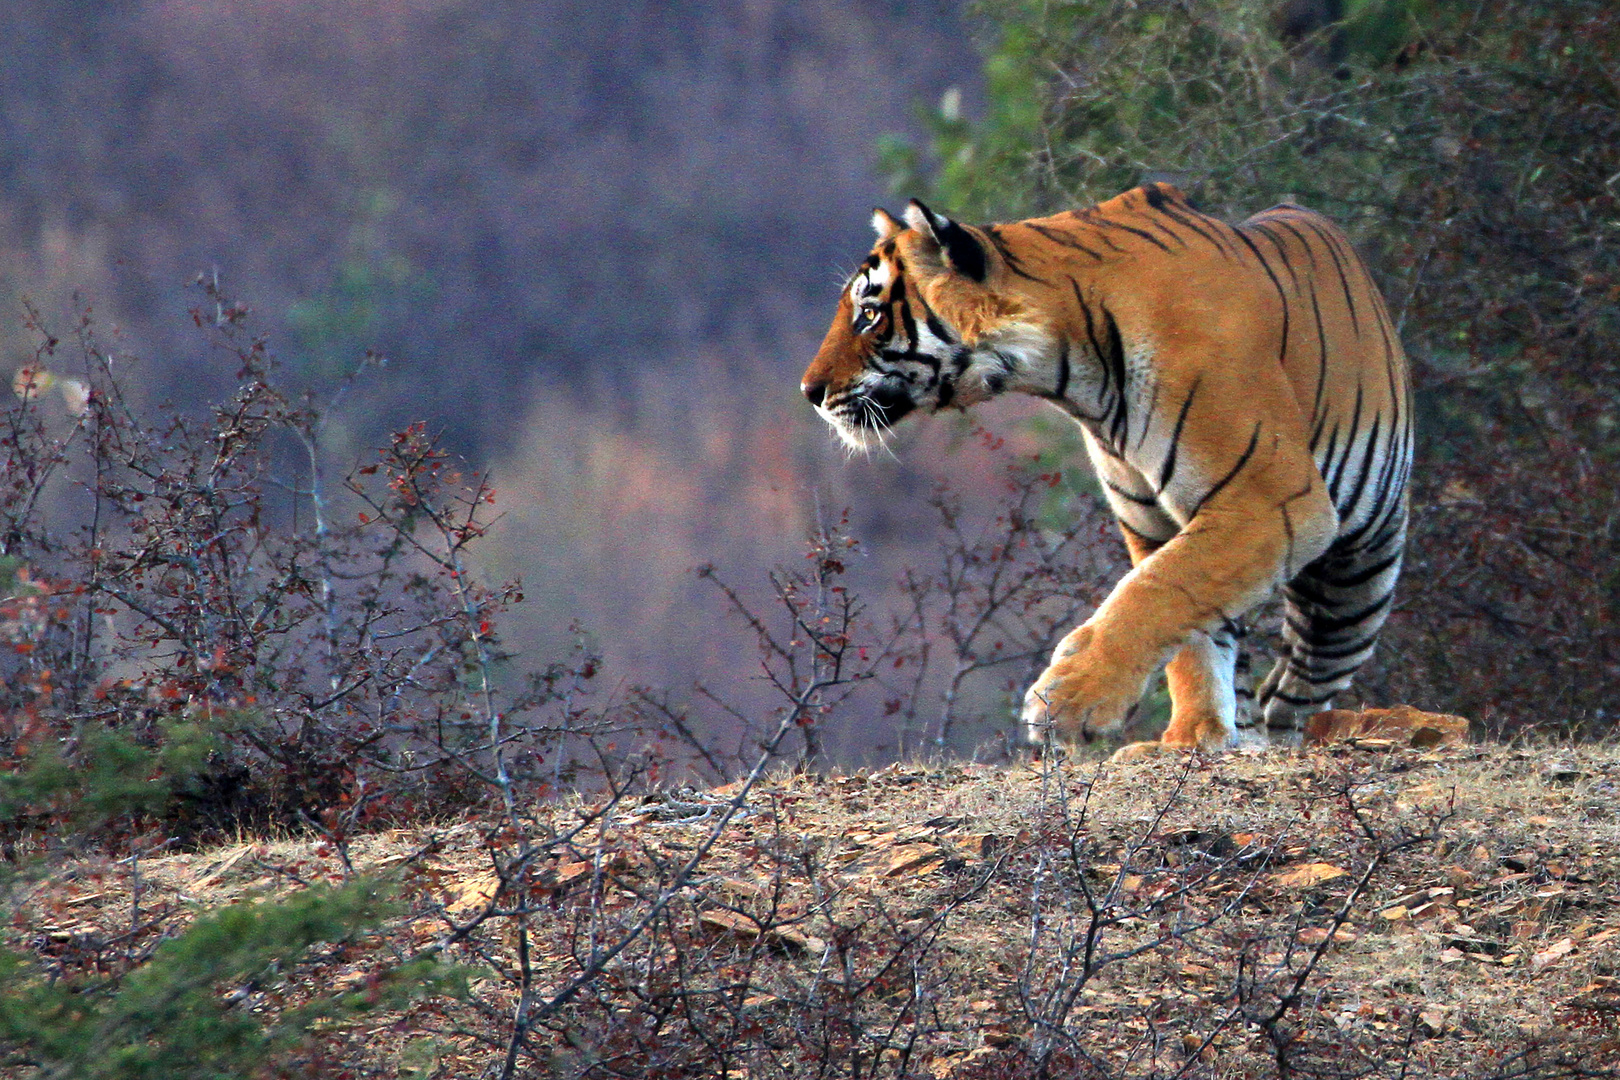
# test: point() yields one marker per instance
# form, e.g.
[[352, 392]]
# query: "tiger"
[[1245, 404]]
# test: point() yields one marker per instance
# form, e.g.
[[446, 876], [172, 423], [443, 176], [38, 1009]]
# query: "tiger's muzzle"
[[867, 409]]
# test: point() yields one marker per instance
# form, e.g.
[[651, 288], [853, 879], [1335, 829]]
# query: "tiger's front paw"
[[1080, 696], [1136, 751]]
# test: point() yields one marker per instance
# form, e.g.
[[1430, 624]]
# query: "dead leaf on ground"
[[732, 922], [472, 892], [981, 845], [738, 887], [565, 873], [1553, 953], [1435, 1019], [1521, 861], [226, 866], [745, 926], [1308, 875], [1377, 729], [1603, 995], [912, 859]]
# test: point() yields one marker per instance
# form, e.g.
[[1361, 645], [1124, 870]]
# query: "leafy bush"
[[1473, 153]]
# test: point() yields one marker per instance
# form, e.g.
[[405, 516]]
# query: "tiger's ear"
[[962, 251], [885, 224]]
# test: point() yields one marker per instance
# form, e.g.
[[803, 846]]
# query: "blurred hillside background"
[[513, 200], [598, 243]]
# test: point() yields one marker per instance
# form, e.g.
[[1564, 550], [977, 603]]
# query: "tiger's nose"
[[815, 391]]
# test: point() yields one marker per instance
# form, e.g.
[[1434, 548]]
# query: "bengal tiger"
[[1245, 404]]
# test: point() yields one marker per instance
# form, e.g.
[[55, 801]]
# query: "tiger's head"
[[921, 324]]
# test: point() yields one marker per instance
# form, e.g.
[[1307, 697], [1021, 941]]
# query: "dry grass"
[[931, 912]]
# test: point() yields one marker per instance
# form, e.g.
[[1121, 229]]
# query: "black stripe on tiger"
[[1106, 223], [1332, 652], [1362, 575], [1305, 245], [1119, 421], [1243, 459], [1388, 519], [1065, 239], [1321, 678], [1151, 221], [1282, 252], [1300, 702], [897, 302], [1014, 263], [1349, 444], [934, 323], [1149, 411], [1168, 470], [1325, 462], [1338, 266], [1317, 416], [1282, 351], [1165, 205], [1337, 624], [1347, 507], [1139, 500], [1109, 351]]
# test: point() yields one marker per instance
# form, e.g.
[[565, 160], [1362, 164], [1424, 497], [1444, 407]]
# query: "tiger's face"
[[888, 353]]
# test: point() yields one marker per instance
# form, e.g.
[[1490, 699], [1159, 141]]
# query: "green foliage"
[[188, 1012], [972, 158], [108, 774], [36, 782], [1087, 97], [371, 285]]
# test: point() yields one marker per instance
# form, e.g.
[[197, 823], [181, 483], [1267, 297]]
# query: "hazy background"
[[507, 197], [597, 244]]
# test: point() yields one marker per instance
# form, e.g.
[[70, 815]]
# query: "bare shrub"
[[205, 576], [986, 615]]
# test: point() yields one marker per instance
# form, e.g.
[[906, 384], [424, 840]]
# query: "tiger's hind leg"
[[1334, 611]]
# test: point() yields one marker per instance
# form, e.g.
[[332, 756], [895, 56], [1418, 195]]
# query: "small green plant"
[[194, 1009]]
